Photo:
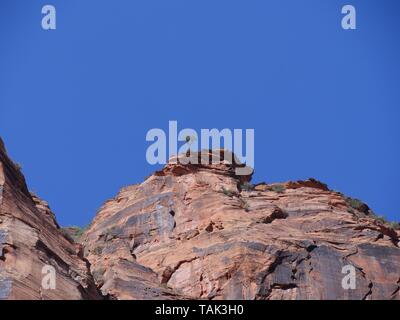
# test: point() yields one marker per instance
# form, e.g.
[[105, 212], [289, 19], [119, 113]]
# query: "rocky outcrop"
[[202, 232], [32, 246], [198, 231]]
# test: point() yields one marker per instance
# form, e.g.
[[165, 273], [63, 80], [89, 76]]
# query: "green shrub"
[[97, 250], [362, 207], [73, 233], [278, 188], [111, 233], [354, 203], [79, 232], [381, 219], [228, 193], [357, 205], [395, 225], [246, 186], [67, 236]]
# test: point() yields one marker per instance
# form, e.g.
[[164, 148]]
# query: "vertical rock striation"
[[202, 232], [30, 239]]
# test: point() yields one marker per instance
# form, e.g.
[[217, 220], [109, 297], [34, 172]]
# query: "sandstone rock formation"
[[201, 232], [30, 240], [198, 232]]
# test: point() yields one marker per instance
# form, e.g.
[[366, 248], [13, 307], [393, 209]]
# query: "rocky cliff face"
[[199, 232], [203, 232], [31, 245]]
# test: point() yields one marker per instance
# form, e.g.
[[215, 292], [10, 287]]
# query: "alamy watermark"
[[49, 277], [349, 20], [49, 18], [188, 152], [349, 280]]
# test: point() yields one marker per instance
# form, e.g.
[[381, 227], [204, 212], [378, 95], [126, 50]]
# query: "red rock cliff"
[[200, 231], [30, 239]]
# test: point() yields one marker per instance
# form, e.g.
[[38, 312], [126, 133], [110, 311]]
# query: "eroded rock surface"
[[198, 232], [201, 231], [30, 239]]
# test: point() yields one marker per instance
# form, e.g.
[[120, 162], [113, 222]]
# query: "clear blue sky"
[[76, 103]]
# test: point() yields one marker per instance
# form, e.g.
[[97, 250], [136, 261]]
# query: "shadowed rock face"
[[31, 239], [200, 231]]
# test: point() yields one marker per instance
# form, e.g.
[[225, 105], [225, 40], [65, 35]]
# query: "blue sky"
[[76, 103]]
